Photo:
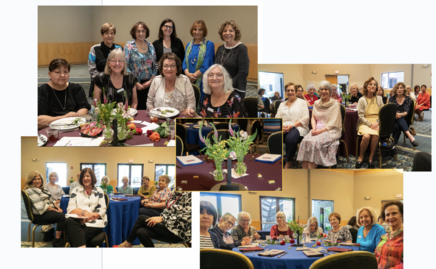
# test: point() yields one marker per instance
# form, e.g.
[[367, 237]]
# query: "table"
[[205, 181], [292, 260], [121, 216], [192, 133], [350, 134], [135, 140]]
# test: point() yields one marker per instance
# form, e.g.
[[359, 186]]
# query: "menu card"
[[268, 158], [271, 252], [313, 253], [189, 160]]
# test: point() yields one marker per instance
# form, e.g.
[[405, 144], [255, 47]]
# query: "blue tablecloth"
[[292, 260], [121, 217], [192, 134]]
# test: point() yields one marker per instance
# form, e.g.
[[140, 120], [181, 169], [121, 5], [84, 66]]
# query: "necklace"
[[65, 102], [143, 48], [222, 62]]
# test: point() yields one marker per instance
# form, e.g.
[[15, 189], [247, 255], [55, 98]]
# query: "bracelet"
[[83, 213]]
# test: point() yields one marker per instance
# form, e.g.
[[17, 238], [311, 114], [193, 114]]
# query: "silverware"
[[252, 157], [281, 254]]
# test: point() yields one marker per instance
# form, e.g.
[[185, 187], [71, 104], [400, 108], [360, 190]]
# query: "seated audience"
[[54, 189], [410, 93], [352, 224], [320, 146], [300, 92], [416, 90], [43, 207], [156, 204], [311, 95], [260, 104], [276, 97], [370, 231], [422, 102], [208, 216], [295, 117], [383, 223], [389, 252], [338, 232], [58, 99], [220, 100], [355, 94], [335, 95], [146, 190], [243, 229], [86, 201], [76, 183], [226, 241], [312, 228], [125, 189], [108, 189], [281, 229], [381, 93], [173, 225]]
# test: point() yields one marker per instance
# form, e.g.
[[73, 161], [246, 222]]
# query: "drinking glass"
[[172, 131], [52, 134]]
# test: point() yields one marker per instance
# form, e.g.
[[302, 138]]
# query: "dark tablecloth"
[[293, 259], [205, 181], [192, 133], [121, 216]]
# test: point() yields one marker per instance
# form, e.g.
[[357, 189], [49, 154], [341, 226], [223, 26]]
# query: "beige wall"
[[291, 72], [421, 75], [73, 156]]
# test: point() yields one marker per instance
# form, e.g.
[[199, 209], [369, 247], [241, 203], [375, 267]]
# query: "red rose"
[[318, 243], [282, 243], [149, 132], [292, 241], [138, 131]]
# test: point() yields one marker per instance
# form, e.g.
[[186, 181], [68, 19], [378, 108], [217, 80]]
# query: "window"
[[132, 171], [321, 209], [271, 82], [269, 206], [61, 169], [165, 169], [223, 203], [98, 168], [388, 80]]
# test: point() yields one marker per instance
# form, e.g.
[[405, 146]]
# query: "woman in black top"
[[381, 92], [233, 55], [58, 98], [168, 41], [220, 100], [114, 79]]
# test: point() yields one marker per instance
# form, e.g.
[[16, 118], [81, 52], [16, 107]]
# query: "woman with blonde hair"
[[410, 93], [368, 235], [243, 229], [54, 189], [313, 228]]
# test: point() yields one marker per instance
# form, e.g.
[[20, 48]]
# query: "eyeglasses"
[[66, 73], [140, 31], [116, 61], [245, 220], [217, 75], [169, 66], [231, 224], [168, 27]]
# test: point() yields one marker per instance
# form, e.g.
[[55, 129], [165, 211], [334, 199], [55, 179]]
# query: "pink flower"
[[94, 102], [231, 129]]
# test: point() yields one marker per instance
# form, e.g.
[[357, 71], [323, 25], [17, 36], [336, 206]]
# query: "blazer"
[[176, 47], [361, 108], [41, 200]]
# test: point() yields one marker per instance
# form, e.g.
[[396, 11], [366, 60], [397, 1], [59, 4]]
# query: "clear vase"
[[218, 174], [122, 133], [240, 167], [107, 131]]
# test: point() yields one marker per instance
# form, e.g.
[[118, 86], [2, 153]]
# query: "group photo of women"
[[351, 120]]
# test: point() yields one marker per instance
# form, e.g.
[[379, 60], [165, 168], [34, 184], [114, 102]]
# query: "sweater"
[[223, 245], [361, 109], [41, 200], [236, 62], [176, 48], [372, 238]]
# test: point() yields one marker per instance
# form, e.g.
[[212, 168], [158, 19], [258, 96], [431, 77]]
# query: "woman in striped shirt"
[[208, 217]]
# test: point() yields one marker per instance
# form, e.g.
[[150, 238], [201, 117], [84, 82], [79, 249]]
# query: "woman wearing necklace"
[[141, 61], [58, 99], [310, 96], [233, 55], [54, 189], [168, 41], [403, 104], [118, 84], [171, 88], [389, 252], [199, 55], [319, 147], [280, 229], [368, 235], [338, 232], [99, 53], [295, 117], [172, 226]]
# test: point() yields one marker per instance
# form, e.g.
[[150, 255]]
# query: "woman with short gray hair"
[[311, 95], [243, 229], [125, 189], [280, 229]]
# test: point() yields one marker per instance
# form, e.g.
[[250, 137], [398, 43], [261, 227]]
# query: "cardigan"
[[297, 112], [238, 232], [223, 245], [361, 108], [176, 48], [372, 238], [41, 200], [236, 62]]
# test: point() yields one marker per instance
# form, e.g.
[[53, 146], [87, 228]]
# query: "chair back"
[[353, 234], [242, 124], [66, 190], [27, 204], [275, 143], [276, 106], [182, 133], [410, 113], [250, 104], [106, 199], [343, 115], [386, 117], [222, 125], [266, 105], [135, 190], [179, 146], [197, 94], [256, 126], [220, 258], [352, 259], [224, 133]]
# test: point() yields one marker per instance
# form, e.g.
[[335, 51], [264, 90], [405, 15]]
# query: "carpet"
[[423, 127]]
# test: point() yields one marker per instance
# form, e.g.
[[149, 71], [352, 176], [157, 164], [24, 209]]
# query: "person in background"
[[227, 222], [156, 204], [335, 95], [361, 90], [300, 93], [337, 231], [260, 104], [381, 93], [100, 52], [208, 216], [146, 190], [199, 55], [76, 183], [383, 223], [54, 189], [109, 188], [410, 93], [422, 102], [243, 229], [311, 95], [416, 90], [313, 228], [276, 97], [370, 231], [125, 189], [233, 55], [280, 229], [355, 94], [168, 42], [352, 224]]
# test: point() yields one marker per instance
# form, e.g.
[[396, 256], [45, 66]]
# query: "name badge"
[[210, 109], [359, 236], [120, 90]]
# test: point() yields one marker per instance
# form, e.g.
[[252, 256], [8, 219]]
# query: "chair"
[[222, 125], [66, 189], [386, 116], [276, 107], [179, 146], [409, 119], [266, 105], [100, 238], [250, 104], [242, 124], [256, 126], [353, 234], [352, 259], [183, 133], [220, 258], [197, 93], [344, 114], [275, 143], [223, 133]]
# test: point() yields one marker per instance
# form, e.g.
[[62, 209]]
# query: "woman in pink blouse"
[[156, 204], [280, 229]]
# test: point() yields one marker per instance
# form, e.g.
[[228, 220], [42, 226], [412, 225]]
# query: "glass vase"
[[240, 167], [218, 174], [107, 131]]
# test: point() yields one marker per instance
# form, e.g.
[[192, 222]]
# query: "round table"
[[293, 259], [121, 216]]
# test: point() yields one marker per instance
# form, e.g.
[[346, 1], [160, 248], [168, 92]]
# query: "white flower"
[[127, 115], [97, 110], [232, 155], [244, 135]]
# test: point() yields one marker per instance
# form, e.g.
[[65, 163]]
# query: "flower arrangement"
[[346, 97], [104, 186], [296, 228], [239, 143]]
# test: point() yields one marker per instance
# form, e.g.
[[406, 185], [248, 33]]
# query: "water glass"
[[52, 134], [263, 244], [172, 131]]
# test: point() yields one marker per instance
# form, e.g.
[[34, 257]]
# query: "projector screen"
[[271, 82]]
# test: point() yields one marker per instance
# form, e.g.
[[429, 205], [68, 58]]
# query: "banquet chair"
[[409, 119], [422, 113], [343, 115], [267, 106], [351, 259], [179, 146], [257, 126], [386, 117], [183, 133], [220, 258], [223, 133], [197, 94], [242, 124], [276, 107], [353, 233], [275, 143], [251, 106], [100, 238], [222, 125]]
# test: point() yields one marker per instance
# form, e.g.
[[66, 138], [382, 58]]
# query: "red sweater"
[[275, 232], [423, 99]]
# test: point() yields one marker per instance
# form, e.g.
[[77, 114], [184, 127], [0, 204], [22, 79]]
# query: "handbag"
[[49, 233]]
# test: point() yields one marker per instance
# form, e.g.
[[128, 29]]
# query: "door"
[[332, 79]]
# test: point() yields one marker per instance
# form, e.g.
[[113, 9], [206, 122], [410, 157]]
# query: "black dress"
[[176, 48], [129, 82], [52, 102], [232, 108]]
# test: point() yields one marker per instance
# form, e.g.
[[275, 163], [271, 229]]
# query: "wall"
[[74, 156], [291, 72], [422, 75]]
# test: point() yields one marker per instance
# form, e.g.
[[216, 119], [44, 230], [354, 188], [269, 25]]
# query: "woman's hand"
[[192, 77], [147, 84], [139, 86], [246, 241], [398, 115], [147, 205], [287, 128], [256, 235], [71, 114], [189, 112], [153, 221], [374, 125], [317, 131]]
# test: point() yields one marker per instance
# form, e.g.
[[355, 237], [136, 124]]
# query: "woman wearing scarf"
[[319, 147], [199, 55]]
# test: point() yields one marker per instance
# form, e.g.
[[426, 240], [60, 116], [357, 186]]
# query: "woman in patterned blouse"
[[141, 61], [389, 252], [172, 226], [156, 204], [243, 229], [338, 232]]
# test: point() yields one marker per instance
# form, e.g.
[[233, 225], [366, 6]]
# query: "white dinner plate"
[[166, 115], [132, 111], [66, 124]]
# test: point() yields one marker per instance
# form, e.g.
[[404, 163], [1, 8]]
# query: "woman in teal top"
[[109, 188], [368, 235], [125, 189], [199, 55]]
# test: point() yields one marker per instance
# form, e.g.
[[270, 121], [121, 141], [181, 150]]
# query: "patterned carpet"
[[423, 127]]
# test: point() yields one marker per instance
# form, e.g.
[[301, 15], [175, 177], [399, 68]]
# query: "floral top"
[[343, 234], [238, 232], [177, 215], [404, 107], [389, 252], [232, 108], [142, 65], [160, 196]]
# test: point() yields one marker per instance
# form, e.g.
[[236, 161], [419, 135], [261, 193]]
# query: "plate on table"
[[132, 111], [67, 124], [165, 112], [42, 140]]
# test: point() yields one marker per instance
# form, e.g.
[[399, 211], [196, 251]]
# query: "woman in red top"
[[281, 228], [310, 96], [422, 102], [335, 94]]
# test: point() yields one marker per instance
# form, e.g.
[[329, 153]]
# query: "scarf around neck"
[[200, 57]]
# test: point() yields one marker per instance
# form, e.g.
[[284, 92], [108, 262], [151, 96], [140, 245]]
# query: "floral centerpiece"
[[346, 97], [104, 114], [104, 186], [216, 151], [239, 143], [296, 228], [123, 116]]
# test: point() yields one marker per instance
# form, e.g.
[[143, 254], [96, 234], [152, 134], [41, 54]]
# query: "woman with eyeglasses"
[[119, 85], [171, 88], [141, 61], [280, 229], [220, 99], [168, 41], [58, 99], [243, 229]]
